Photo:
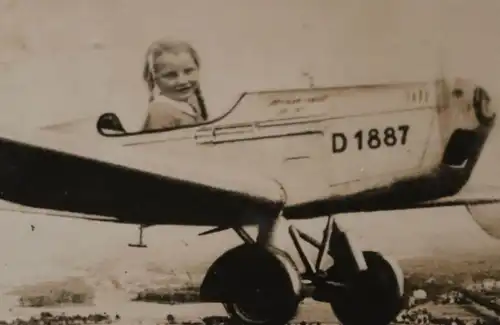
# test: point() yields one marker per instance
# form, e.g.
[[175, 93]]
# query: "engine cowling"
[[257, 285]]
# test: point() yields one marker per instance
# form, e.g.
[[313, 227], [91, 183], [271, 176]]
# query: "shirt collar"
[[185, 107]]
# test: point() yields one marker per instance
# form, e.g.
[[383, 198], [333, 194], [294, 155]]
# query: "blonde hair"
[[161, 46]]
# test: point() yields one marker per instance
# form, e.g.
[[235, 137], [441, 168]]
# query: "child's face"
[[176, 75]]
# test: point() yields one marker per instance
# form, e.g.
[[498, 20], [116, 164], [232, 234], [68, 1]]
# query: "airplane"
[[274, 157]]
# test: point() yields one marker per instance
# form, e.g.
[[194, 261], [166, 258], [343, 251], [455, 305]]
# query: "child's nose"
[[183, 78]]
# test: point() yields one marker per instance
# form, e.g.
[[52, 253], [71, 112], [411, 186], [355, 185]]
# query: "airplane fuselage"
[[340, 149]]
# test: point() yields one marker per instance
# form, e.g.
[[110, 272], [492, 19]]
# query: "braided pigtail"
[[201, 103]]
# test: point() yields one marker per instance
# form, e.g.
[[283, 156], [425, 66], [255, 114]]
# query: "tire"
[[374, 296], [270, 289]]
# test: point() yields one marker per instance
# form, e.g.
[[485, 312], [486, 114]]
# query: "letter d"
[[339, 142]]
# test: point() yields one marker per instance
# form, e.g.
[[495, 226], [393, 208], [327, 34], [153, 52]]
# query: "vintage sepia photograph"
[[262, 162]]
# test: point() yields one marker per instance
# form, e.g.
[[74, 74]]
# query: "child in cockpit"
[[171, 72]]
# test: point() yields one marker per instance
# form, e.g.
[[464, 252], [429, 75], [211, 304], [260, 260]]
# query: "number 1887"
[[375, 138]]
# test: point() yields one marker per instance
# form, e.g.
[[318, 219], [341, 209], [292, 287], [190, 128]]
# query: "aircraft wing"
[[54, 175], [470, 195], [481, 202]]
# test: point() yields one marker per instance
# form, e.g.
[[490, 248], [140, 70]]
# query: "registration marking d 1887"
[[371, 139]]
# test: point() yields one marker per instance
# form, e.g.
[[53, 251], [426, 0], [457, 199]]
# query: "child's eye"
[[188, 70], [171, 74]]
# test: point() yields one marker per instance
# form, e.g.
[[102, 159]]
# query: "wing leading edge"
[[481, 202], [470, 195], [71, 180]]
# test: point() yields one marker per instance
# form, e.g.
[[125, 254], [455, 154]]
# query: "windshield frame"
[[169, 129]]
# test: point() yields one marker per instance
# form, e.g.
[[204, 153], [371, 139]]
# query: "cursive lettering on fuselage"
[[296, 101]]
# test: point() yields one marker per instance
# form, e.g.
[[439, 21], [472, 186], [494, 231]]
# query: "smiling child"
[[171, 72]]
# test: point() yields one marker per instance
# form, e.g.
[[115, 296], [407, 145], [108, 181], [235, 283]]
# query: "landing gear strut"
[[260, 284], [361, 287]]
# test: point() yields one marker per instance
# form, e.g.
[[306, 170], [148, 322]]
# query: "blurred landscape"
[[104, 275], [436, 276]]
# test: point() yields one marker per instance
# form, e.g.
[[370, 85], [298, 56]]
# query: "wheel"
[[268, 288], [374, 296]]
